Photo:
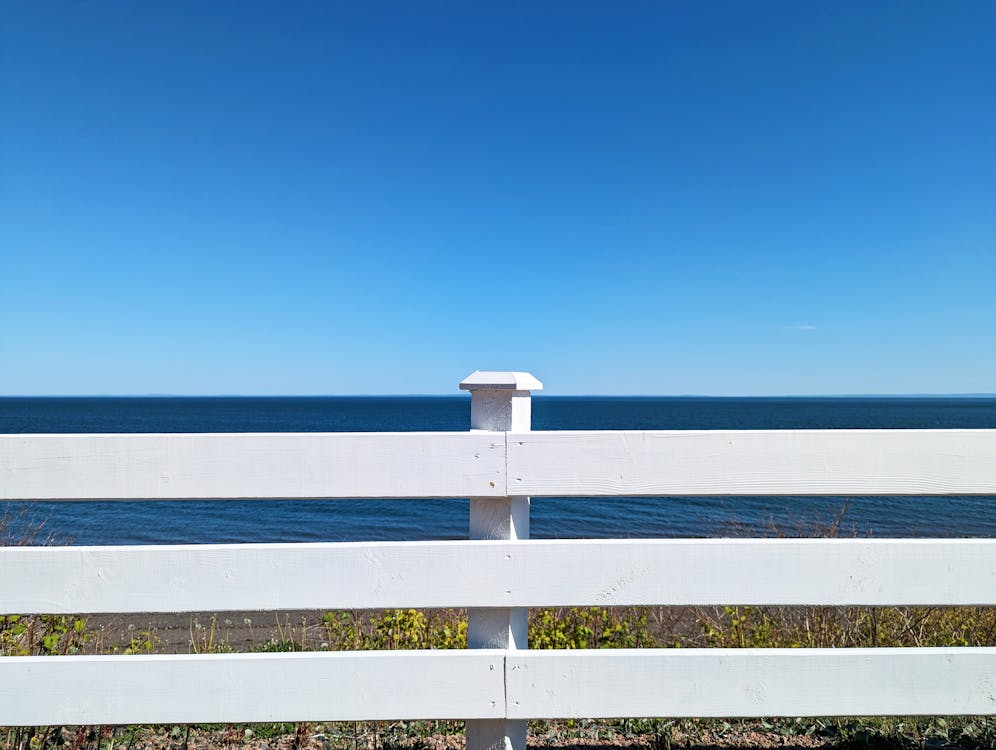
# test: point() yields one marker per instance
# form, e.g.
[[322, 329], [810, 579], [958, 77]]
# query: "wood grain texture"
[[752, 462], [251, 687], [489, 574], [750, 682], [251, 465]]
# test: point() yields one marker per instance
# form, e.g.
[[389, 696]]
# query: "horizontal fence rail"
[[752, 682], [497, 684], [492, 684], [752, 462], [206, 466], [201, 688], [374, 575], [479, 464]]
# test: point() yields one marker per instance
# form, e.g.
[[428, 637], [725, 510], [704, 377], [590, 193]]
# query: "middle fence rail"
[[497, 683]]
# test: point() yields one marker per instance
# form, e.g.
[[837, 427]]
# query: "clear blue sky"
[[655, 198]]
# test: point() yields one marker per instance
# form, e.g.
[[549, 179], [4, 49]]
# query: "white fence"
[[497, 683]]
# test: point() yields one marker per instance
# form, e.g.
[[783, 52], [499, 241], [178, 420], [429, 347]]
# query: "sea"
[[232, 521]]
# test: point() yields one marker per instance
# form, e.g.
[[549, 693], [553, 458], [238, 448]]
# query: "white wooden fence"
[[497, 683]]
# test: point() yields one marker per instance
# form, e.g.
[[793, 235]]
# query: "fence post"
[[499, 402]]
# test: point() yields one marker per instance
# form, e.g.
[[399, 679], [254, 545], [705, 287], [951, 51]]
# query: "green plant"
[[588, 627], [739, 627], [142, 642], [40, 635], [343, 632], [394, 629], [400, 629]]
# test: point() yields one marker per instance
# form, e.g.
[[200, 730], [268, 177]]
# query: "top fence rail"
[[497, 464]]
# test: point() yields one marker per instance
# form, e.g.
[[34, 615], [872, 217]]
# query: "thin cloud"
[[798, 328]]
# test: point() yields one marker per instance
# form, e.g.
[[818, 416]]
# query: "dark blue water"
[[355, 520]]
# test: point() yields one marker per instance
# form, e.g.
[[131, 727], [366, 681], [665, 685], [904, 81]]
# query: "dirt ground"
[[186, 632]]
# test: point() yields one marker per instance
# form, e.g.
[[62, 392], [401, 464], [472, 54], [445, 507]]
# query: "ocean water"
[[161, 522]]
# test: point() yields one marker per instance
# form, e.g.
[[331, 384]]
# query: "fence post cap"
[[480, 380]]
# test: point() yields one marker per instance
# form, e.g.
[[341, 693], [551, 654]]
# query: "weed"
[[588, 627], [142, 642], [208, 640], [42, 635]]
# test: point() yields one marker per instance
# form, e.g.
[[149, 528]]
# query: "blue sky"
[[653, 198]]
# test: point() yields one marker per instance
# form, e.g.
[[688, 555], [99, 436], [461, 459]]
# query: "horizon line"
[[463, 395]]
